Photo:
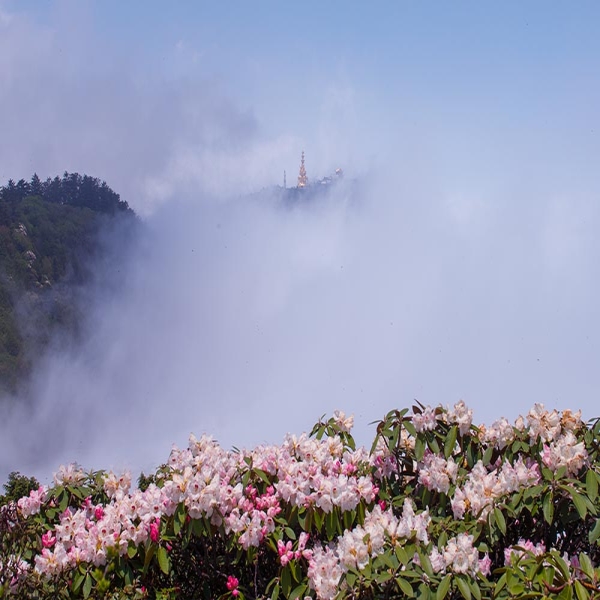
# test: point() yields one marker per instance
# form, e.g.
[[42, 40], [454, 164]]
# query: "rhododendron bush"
[[436, 508]]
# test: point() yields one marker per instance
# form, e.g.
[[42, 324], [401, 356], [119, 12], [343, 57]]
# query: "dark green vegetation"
[[17, 486], [50, 234]]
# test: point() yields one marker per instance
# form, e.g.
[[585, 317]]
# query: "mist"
[[457, 261], [247, 318]]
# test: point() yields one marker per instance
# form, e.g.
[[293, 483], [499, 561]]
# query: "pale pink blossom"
[[523, 547], [425, 420], [462, 416]]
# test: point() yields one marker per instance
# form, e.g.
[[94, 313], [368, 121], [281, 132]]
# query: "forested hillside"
[[50, 234]]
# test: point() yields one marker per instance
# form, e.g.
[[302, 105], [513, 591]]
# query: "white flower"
[[462, 416]]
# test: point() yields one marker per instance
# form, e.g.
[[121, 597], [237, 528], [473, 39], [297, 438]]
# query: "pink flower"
[[285, 552], [154, 531], [98, 512], [48, 540], [485, 565], [232, 584]]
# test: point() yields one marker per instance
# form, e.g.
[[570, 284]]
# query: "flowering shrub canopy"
[[437, 508]]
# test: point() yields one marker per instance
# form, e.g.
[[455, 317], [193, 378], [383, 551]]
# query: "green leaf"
[[586, 565], [535, 490], [516, 589], [410, 428], [275, 593], [582, 593], [179, 518], [405, 587], [198, 527], [163, 560], [464, 588], [500, 584], [318, 519], [87, 585], [395, 438], [425, 563], [246, 478], [425, 592], [330, 525], [294, 571], [595, 532], [384, 576], [351, 579], [127, 574], [579, 503], [548, 507], [386, 560], [591, 484], [402, 555], [487, 455], [419, 448], [286, 582], [563, 567], [443, 539], [475, 589], [450, 441], [547, 474], [348, 519], [298, 592], [77, 581], [566, 593], [64, 502], [500, 521], [443, 588], [263, 476], [366, 571]]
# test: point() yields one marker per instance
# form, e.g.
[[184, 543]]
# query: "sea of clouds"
[[245, 318]]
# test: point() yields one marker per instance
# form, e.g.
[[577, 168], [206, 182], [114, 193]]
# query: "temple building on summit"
[[308, 190], [302, 177]]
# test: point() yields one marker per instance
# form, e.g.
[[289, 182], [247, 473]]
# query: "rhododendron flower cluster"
[[30, 505], [425, 420], [91, 532], [548, 425], [436, 504], [459, 555], [499, 434], [436, 473], [356, 547], [232, 585], [565, 451], [461, 415], [482, 487], [521, 549], [69, 474]]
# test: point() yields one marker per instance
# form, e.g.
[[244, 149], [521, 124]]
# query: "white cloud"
[[449, 277]]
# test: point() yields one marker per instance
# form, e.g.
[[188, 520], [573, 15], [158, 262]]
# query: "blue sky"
[[469, 271], [486, 86]]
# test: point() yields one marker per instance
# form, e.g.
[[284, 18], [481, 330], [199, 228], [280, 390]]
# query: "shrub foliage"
[[437, 508]]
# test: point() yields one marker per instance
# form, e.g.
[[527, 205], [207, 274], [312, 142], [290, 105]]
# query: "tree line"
[[50, 236], [71, 189]]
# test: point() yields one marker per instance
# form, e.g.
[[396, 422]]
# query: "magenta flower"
[[154, 531], [232, 584]]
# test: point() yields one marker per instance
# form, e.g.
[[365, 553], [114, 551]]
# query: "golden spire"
[[302, 178]]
